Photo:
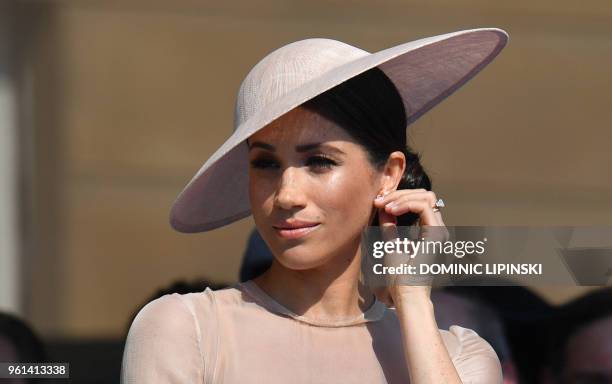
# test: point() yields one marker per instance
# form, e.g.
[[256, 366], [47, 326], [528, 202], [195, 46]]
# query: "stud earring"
[[382, 195]]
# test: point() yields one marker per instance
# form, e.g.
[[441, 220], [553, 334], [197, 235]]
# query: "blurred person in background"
[[19, 344], [581, 346], [526, 318], [461, 307], [257, 257]]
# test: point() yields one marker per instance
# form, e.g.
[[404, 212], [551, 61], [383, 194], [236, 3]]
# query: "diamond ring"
[[439, 204]]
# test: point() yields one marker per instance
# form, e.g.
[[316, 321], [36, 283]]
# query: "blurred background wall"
[[120, 102]]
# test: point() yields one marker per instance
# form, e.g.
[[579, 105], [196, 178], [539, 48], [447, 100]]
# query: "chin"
[[299, 260]]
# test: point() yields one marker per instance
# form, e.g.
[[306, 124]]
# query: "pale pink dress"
[[242, 335]]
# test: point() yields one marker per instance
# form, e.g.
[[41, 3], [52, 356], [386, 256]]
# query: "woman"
[[319, 153]]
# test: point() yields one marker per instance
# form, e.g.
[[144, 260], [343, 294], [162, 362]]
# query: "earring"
[[381, 195]]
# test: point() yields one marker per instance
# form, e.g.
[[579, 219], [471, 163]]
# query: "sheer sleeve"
[[476, 362], [162, 345]]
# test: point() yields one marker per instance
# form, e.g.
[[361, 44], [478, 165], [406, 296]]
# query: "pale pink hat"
[[424, 72]]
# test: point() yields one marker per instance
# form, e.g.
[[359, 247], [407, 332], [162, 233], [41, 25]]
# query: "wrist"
[[412, 297]]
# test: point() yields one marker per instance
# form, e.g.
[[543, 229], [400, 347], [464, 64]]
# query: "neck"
[[330, 291]]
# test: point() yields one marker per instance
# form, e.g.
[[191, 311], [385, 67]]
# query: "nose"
[[290, 193]]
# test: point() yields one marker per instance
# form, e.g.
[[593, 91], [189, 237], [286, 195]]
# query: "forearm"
[[427, 359]]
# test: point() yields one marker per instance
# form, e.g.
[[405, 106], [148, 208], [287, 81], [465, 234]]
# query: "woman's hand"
[[397, 203], [402, 201], [427, 358]]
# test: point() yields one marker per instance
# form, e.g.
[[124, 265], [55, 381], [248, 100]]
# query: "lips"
[[295, 228], [294, 224]]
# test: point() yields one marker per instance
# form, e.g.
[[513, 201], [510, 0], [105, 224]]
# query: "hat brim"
[[424, 71]]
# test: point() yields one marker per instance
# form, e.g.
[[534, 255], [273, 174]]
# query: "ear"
[[393, 171]]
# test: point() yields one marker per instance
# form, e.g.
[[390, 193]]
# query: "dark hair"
[[572, 317], [28, 346], [483, 318], [371, 110], [526, 317]]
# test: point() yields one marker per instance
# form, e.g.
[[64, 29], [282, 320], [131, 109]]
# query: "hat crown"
[[288, 68]]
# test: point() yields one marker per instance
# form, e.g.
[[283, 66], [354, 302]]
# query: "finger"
[[381, 201], [438, 216], [403, 198], [419, 207], [429, 196], [389, 232], [388, 225], [421, 194], [416, 194]]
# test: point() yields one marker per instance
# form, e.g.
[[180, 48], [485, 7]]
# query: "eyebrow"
[[298, 148]]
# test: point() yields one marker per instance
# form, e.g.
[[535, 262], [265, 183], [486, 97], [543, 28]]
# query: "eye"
[[263, 163], [320, 161]]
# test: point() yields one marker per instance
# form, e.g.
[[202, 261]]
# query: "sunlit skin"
[[332, 183]]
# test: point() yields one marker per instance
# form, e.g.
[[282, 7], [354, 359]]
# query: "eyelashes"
[[319, 162], [262, 163]]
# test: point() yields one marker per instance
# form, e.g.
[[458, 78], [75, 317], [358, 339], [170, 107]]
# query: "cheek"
[[345, 196], [259, 195], [341, 197]]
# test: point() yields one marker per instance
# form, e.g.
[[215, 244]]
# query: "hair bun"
[[414, 177]]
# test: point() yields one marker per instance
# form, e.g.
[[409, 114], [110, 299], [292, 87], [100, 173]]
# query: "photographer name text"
[[459, 269]]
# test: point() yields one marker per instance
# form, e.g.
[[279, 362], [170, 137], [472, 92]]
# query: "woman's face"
[[303, 167]]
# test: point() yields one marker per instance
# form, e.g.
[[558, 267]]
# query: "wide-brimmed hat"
[[424, 71]]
